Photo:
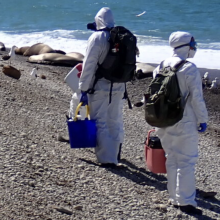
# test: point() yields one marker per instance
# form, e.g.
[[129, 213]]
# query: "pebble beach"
[[42, 178]]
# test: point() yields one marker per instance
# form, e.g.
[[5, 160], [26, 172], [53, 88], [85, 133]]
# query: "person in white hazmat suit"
[[108, 116], [180, 141]]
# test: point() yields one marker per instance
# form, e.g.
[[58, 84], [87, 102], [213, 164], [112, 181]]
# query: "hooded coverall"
[[108, 116], [180, 141]]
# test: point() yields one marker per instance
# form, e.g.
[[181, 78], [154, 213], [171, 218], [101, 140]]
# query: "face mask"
[[191, 53]]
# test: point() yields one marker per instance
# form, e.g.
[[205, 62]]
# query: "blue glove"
[[202, 127], [84, 98]]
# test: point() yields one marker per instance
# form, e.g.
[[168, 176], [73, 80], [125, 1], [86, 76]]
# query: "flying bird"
[[141, 14], [11, 56]]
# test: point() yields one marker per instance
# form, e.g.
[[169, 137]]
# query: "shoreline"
[[213, 72]]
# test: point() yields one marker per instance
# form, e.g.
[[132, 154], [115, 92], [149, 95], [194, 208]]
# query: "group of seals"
[[44, 54]]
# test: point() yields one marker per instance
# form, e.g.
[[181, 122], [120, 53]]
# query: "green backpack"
[[163, 102]]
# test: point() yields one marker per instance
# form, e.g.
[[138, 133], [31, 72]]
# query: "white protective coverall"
[[108, 116], [180, 141]]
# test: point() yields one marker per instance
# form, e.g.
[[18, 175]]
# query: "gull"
[[214, 85], [141, 14], [11, 56], [217, 82], [34, 73], [206, 79], [139, 104]]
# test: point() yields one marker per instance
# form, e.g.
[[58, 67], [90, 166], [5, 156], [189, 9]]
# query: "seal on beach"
[[37, 49], [55, 59], [2, 47], [76, 55], [21, 50], [144, 70]]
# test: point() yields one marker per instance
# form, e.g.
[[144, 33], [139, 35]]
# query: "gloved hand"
[[84, 98], [202, 127]]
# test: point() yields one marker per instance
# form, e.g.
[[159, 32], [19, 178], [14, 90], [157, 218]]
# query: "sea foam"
[[152, 50]]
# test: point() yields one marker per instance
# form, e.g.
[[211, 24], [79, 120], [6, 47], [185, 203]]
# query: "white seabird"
[[217, 82], [33, 73], [207, 80], [141, 14], [11, 56], [214, 85]]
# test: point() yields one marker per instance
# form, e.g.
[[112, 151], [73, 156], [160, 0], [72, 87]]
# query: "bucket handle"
[[148, 136], [77, 111]]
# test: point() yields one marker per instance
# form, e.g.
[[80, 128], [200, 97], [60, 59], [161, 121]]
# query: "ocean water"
[[62, 25]]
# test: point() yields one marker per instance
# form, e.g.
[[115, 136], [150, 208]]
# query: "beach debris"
[[141, 14], [33, 73], [78, 207], [63, 210], [11, 56], [11, 71], [62, 139], [161, 207], [42, 76]]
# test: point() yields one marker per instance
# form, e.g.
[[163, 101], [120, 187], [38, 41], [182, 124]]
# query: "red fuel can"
[[154, 154]]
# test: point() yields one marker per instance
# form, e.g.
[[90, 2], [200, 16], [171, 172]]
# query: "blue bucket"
[[82, 133]]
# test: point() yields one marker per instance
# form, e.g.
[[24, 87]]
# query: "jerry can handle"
[[148, 136]]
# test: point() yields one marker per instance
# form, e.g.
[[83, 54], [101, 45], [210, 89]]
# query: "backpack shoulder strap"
[[179, 65], [161, 65], [175, 68]]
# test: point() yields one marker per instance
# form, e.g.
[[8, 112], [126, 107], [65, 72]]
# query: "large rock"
[[11, 71]]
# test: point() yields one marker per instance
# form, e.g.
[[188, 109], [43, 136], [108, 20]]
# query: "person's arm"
[[90, 61], [194, 82]]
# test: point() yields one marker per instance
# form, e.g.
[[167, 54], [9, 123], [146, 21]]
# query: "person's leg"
[[180, 143], [121, 128], [106, 115], [171, 167], [186, 158]]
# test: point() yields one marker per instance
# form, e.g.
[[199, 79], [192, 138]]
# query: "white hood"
[[177, 39], [104, 18]]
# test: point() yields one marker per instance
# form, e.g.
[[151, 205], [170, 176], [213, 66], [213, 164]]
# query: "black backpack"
[[163, 102], [120, 62]]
